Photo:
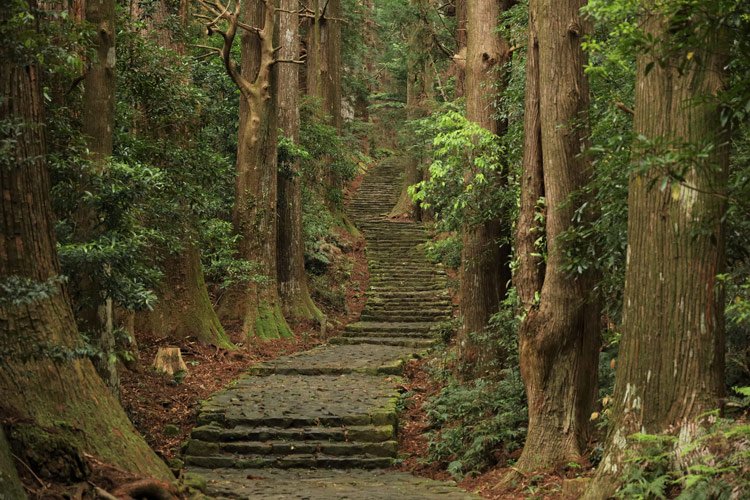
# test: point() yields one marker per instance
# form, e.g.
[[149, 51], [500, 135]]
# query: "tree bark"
[[559, 336], [10, 484], [184, 309], [670, 369], [295, 296], [257, 304], [529, 275], [485, 270], [418, 96], [95, 315], [63, 395], [460, 57]]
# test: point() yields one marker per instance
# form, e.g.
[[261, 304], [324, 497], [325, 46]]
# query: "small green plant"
[[478, 422], [716, 464]]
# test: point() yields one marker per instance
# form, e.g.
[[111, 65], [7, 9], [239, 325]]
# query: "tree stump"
[[169, 361]]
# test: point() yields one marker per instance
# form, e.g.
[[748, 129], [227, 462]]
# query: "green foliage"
[[329, 163], [446, 251], [462, 146], [482, 421], [18, 291], [715, 464], [479, 422]]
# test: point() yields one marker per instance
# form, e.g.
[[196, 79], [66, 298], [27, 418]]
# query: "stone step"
[[289, 462], [416, 343], [242, 449], [410, 294], [382, 334], [337, 360], [406, 317], [366, 433], [372, 326]]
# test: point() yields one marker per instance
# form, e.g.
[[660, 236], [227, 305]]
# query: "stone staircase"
[[311, 416]]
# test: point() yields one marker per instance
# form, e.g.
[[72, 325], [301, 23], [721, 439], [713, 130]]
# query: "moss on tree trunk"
[[184, 308], [42, 383], [10, 485]]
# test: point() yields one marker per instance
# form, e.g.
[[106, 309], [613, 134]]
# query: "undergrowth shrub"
[[480, 423], [718, 464], [483, 421]]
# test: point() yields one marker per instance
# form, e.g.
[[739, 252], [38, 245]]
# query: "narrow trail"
[[322, 424]]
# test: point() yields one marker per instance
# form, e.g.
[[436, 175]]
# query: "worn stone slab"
[[339, 359], [274, 484], [298, 400]]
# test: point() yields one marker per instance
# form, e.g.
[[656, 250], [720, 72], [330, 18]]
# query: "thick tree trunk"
[[61, 395], [257, 304], [529, 274], [671, 365], [559, 336], [295, 296], [98, 117], [184, 309], [485, 270], [330, 69]]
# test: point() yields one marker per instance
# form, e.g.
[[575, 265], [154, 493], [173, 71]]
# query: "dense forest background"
[[176, 172]]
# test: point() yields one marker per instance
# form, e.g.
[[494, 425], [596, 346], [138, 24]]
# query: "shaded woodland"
[[175, 174]]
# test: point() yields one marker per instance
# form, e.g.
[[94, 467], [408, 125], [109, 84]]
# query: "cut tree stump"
[[169, 361]]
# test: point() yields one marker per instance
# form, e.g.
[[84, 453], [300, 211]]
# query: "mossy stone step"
[[365, 433], [337, 360], [384, 334], [197, 448], [406, 318], [289, 401], [374, 326], [326, 484], [416, 343], [310, 461]]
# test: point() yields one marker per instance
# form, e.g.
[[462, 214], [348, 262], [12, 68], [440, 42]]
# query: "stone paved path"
[[322, 424]]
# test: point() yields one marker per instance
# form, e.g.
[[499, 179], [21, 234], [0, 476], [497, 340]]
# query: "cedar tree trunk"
[[46, 389], [485, 269], [295, 296], [671, 362], [98, 118], [255, 304], [559, 336]]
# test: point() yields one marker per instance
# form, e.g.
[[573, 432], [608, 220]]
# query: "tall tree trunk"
[[485, 269], [42, 385], [671, 363], [324, 77], [418, 96], [559, 336], [184, 308], [529, 274], [257, 304], [98, 118], [330, 35], [295, 296], [460, 57]]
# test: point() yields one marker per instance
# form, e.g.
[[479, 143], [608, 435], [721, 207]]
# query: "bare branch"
[[290, 61]]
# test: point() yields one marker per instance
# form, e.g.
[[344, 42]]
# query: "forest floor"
[[414, 426], [166, 420]]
